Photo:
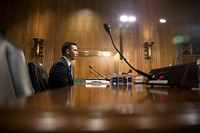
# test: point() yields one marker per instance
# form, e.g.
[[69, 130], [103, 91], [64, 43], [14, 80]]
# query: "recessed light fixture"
[[127, 18], [162, 20]]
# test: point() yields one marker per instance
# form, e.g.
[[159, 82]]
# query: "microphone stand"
[[99, 74], [107, 28], [94, 74]]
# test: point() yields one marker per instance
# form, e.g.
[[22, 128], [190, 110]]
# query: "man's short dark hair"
[[66, 45]]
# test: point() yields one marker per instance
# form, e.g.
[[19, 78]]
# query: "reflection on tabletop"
[[113, 108]]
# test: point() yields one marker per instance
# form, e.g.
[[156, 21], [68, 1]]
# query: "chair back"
[[38, 75], [14, 78]]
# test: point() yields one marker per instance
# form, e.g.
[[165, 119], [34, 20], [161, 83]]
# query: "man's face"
[[72, 53]]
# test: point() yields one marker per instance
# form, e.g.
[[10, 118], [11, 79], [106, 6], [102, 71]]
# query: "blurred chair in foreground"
[[14, 79], [38, 76]]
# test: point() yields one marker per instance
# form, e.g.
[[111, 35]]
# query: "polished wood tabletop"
[[111, 108]]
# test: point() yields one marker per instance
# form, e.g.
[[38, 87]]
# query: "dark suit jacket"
[[60, 75]]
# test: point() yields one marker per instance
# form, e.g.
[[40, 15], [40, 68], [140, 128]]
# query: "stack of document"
[[97, 83]]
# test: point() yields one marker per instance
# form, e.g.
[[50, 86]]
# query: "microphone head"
[[107, 27], [90, 67]]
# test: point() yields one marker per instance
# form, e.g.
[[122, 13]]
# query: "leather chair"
[[38, 76], [14, 78]]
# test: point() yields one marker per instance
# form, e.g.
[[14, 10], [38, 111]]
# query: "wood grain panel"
[[57, 21], [102, 65]]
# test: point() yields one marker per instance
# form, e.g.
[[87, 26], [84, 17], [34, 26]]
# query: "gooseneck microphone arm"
[[99, 73], [108, 30], [94, 74]]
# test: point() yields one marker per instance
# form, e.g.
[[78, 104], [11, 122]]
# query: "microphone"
[[99, 74], [108, 30]]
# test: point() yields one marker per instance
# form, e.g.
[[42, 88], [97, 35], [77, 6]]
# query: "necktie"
[[70, 68], [71, 71]]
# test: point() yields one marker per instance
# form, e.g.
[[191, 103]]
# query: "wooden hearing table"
[[120, 108]]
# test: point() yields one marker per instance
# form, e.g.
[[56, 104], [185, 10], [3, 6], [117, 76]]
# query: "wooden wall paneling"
[[103, 65], [50, 35], [58, 21], [31, 30]]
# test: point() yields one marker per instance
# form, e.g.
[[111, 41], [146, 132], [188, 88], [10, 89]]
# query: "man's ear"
[[67, 51]]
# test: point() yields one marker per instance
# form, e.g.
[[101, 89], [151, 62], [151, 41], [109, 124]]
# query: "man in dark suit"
[[60, 74]]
